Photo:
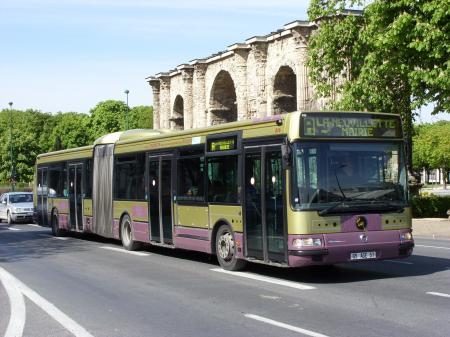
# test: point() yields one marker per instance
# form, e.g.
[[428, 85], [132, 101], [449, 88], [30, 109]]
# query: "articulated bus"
[[298, 189]]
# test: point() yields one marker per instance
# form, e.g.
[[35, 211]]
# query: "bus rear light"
[[307, 242]]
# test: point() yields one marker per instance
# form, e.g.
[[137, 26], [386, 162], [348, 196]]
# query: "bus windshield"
[[338, 177]]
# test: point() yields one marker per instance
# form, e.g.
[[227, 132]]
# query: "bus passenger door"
[[42, 192], [160, 198], [265, 232], [76, 196]]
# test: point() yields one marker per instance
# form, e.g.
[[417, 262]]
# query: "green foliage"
[[141, 117], [430, 207], [106, 117], [70, 130], [35, 132], [394, 57], [110, 116], [27, 131], [431, 147]]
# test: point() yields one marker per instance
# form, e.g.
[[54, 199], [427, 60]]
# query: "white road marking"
[[68, 323], [124, 251], [438, 294], [54, 237], [401, 262], [267, 279], [33, 225], [448, 248], [13, 229], [285, 326], [18, 314], [275, 298]]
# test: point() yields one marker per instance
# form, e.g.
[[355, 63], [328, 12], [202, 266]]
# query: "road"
[[87, 286]]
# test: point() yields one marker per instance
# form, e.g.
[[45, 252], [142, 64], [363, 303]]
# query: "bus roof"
[[288, 123]]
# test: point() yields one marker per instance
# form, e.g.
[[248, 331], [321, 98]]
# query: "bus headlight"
[[307, 242], [405, 236]]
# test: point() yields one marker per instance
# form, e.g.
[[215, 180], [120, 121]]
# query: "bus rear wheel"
[[126, 235], [56, 231], [226, 250]]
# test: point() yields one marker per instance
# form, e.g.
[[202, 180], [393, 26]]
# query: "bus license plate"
[[363, 255]]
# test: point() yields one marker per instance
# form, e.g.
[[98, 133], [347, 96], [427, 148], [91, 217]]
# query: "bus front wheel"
[[226, 250], [126, 234]]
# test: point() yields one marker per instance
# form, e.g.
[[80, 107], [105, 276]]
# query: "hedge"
[[431, 206]]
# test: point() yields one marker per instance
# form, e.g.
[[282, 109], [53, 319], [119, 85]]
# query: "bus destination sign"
[[350, 126], [223, 144]]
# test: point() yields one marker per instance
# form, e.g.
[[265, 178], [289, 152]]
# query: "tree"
[[391, 57], [70, 130], [421, 148], [27, 131], [440, 148], [432, 148], [106, 117], [110, 116], [35, 132], [141, 117]]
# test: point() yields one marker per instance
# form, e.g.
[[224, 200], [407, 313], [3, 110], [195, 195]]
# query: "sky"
[[68, 55]]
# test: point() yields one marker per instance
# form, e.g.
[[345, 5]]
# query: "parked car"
[[16, 207]]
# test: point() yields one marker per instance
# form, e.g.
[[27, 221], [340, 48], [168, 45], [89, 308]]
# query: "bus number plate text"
[[363, 256]]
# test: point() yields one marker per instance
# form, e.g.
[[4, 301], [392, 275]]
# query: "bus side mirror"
[[286, 154]]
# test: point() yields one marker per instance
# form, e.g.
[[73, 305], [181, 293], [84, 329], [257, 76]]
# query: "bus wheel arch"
[[126, 233], [226, 253]]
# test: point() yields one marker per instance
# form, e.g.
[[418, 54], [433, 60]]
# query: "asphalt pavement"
[[88, 286]]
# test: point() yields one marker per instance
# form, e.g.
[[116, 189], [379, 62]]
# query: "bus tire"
[[56, 231], [226, 250], [126, 234]]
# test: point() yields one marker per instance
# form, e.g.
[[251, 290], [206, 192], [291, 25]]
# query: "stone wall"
[[266, 75]]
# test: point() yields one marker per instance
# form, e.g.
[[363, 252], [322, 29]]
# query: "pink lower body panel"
[[63, 220], [116, 226], [350, 247], [140, 231], [193, 239]]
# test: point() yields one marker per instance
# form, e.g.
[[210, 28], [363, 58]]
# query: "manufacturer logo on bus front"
[[361, 222]]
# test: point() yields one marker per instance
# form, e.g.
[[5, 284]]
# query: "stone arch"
[[177, 119], [222, 103], [285, 91]]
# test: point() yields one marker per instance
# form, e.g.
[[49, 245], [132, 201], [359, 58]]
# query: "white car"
[[16, 207]]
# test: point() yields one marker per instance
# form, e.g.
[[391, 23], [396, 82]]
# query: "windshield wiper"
[[362, 205], [339, 185], [332, 207], [340, 203]]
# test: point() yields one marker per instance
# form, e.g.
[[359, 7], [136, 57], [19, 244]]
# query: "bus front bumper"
[[350, 247]]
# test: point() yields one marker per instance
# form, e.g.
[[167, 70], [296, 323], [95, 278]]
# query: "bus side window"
[[191, 179], [222, 175]]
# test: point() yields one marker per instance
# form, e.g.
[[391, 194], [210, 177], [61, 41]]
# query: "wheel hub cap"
[[226, 246]]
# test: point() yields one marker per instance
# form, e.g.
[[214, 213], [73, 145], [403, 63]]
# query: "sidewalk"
[[432, 227]]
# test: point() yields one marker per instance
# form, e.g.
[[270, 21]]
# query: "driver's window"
[[307, 168], [391, 167]]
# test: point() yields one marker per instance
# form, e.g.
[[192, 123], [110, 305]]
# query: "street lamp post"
[[128, 110], [12, 176]]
